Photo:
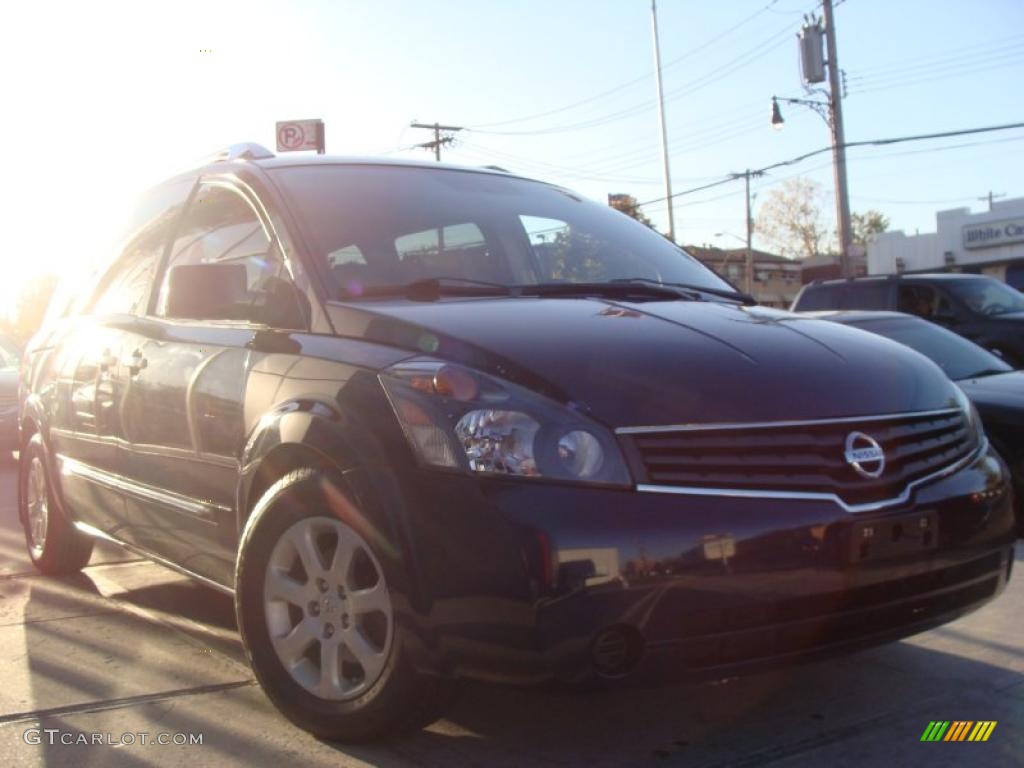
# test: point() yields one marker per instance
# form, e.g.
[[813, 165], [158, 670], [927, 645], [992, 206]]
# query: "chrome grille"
[[802, 457]]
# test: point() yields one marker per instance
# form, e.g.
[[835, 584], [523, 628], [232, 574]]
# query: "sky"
[[103, 99]]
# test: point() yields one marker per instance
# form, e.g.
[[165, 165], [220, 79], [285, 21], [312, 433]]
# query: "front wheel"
[[318, 621]]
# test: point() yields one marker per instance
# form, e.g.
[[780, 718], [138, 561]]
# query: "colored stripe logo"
[[958, 730]]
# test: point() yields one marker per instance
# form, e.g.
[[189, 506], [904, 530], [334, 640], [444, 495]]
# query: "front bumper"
[[526, 582]]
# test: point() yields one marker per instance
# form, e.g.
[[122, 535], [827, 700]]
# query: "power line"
[[881, 85], [947, 201], [628, 83], [967, 51], [614, 153], [761, 49], [484, 151], [847, 145]]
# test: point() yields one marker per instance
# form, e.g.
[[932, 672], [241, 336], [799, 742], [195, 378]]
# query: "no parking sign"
[[298, 135]]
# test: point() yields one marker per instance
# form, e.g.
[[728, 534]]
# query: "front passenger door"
[[189, 359]]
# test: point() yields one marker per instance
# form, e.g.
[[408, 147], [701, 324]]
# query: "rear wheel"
[[54, 544], [318, 621]]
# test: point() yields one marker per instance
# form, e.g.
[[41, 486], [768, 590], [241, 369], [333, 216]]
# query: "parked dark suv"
[[426, 423], [986, 311]]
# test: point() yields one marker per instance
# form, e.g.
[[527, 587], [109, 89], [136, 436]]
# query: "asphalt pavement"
[[93, 662]]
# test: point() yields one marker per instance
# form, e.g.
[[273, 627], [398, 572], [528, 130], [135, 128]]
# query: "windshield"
[[379, 226], [989, 296], [958, 357]]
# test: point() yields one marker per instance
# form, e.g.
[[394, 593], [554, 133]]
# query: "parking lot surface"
[[129, 648]]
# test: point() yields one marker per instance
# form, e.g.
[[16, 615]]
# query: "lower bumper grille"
[[808, 625]]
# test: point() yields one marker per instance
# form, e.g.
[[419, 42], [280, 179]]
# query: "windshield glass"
[[989, 296], [378, 226], [958, 357]]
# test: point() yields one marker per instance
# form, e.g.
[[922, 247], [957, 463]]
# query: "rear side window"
[[815, 297], [870, 294], [125, 289]]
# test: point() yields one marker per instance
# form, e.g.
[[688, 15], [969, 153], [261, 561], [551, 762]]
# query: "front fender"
[[360, 485]]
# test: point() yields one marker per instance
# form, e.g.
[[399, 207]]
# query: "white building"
[[988, 243]]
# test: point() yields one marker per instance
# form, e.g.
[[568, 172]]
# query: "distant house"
[[776, 278], [825, 266]]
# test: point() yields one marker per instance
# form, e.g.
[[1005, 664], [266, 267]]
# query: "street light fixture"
[[777, 120], [821, 107]]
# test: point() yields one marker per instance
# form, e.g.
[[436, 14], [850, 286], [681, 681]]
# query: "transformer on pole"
[[812, 52]]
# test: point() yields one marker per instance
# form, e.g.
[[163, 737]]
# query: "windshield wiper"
[[613, 289], [743, 298], [433, 288]]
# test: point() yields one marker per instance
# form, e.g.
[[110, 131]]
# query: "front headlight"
[[457, 418]]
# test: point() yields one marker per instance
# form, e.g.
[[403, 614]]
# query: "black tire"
[[63, 549], [399, 699]]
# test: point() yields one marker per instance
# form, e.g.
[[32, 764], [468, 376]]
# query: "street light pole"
[[664, 130], [838, 141]]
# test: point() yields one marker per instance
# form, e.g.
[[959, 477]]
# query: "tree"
[[866, 226], [30, 308], [791, 220], [627, 204]]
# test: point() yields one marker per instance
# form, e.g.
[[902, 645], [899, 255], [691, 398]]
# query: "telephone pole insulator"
[[439, 140]]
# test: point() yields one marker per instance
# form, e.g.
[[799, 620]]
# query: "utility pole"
[[438, 138], [748, 283], [990, 197], [750, 234], [664, 130], [835, 103]]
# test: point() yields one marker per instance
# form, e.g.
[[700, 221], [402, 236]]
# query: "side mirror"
[[206, 292]]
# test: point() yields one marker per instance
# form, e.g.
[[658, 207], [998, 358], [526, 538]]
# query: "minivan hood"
[[663, 362], [999, 393]]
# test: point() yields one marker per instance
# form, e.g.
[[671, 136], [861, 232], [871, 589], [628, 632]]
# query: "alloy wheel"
[[327, 608]]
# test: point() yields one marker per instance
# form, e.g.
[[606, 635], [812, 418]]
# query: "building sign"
[[994, 233], [298, 135]]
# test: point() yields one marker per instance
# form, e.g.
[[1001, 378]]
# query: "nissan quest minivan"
[[426, 423]]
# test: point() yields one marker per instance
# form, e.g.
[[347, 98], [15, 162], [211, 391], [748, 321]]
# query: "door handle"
[[136, 363]]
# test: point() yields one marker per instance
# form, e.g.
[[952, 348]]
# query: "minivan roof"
[[254, 155], [917, 276]]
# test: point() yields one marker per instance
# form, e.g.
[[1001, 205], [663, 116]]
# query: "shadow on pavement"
[[785, 715]]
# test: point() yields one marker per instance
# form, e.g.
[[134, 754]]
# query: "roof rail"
[[496, 168], [245, 151]]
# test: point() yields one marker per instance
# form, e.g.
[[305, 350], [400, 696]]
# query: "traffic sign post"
[[299, 135]]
